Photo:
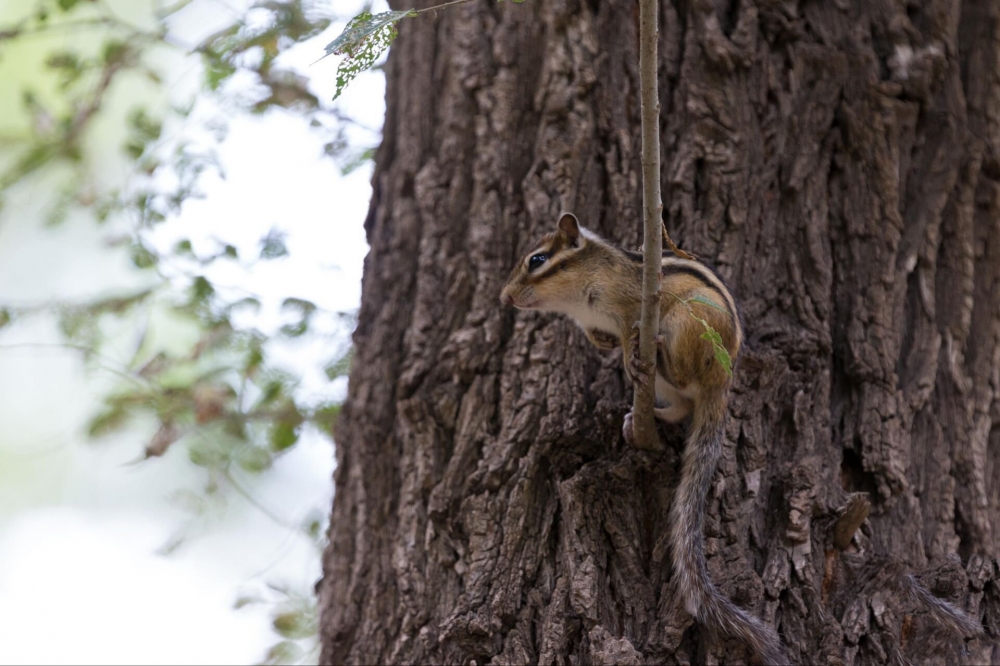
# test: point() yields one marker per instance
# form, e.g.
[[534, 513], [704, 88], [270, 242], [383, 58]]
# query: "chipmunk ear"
[[569, 226]]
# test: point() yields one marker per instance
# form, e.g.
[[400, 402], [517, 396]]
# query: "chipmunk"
[[575, 272]]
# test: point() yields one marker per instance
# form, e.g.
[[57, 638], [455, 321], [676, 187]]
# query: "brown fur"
[[590, 273], [599, 285]]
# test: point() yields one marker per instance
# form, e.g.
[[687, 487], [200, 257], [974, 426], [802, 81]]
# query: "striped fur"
[[943, 613], [590, 279], [599, 286], [701, 598]]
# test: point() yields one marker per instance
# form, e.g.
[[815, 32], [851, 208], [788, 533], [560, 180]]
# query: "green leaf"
[[144, 130], [285, 652], [283, 436], [295, 330], [114, 51], [217, 71], [361, 27], [107, 422], [312, 526], [69, 66], [60, 207], [293, 625], [253, 458], [721, 354], [66, 5], [365, 38], [272, 245], [326, 416], [255, 358], [271, 391], [5, 317], [201, 289], [208, 453], [300, 304], [144, 125], [357, 161], [245, 302], [142, 257], [710, 334], [246, 601], [306, 310], [704, 300], [80, 326], [340, 366]]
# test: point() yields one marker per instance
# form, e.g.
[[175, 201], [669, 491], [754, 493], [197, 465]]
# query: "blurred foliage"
[[296, 621], [85, 74], [220, 397]]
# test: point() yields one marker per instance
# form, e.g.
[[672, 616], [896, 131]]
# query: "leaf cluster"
[[711, 335], [215, 394], [254, 43], [85, 76], [295, 620]]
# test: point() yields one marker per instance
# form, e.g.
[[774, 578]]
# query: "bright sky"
[[80, 578]]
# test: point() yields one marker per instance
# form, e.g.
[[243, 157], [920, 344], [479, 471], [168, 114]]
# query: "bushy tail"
[[701, 598], [944, 613]]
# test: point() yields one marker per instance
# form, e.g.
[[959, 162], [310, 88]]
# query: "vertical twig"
[[644, 427]]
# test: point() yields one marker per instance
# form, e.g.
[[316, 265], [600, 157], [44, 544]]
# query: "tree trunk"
[[839, 162]]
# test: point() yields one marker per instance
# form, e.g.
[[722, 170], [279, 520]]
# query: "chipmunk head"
[[549, 276]]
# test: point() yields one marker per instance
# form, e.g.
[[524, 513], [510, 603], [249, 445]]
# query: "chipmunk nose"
[[506, 299]]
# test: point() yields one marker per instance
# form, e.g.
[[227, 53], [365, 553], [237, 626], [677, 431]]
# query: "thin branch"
[[441, 6], [83, 116], [644, 427]]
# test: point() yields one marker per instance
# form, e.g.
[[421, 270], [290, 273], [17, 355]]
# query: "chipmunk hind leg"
[[676, 383], [671, 405]]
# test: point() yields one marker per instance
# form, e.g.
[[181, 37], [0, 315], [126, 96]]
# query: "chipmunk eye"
[[536, 261]]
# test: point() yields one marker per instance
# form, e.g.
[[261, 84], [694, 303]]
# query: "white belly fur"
[[588, 318], [677, 403]]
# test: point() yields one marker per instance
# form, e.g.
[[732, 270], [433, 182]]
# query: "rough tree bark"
[[839, 161]]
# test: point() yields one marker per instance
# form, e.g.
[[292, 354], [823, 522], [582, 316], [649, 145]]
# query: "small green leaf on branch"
[[366, 37], [721, 353], [704, 300], [710, 334]]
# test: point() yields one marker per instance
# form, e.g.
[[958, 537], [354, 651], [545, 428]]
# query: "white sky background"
[[80, 580]]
